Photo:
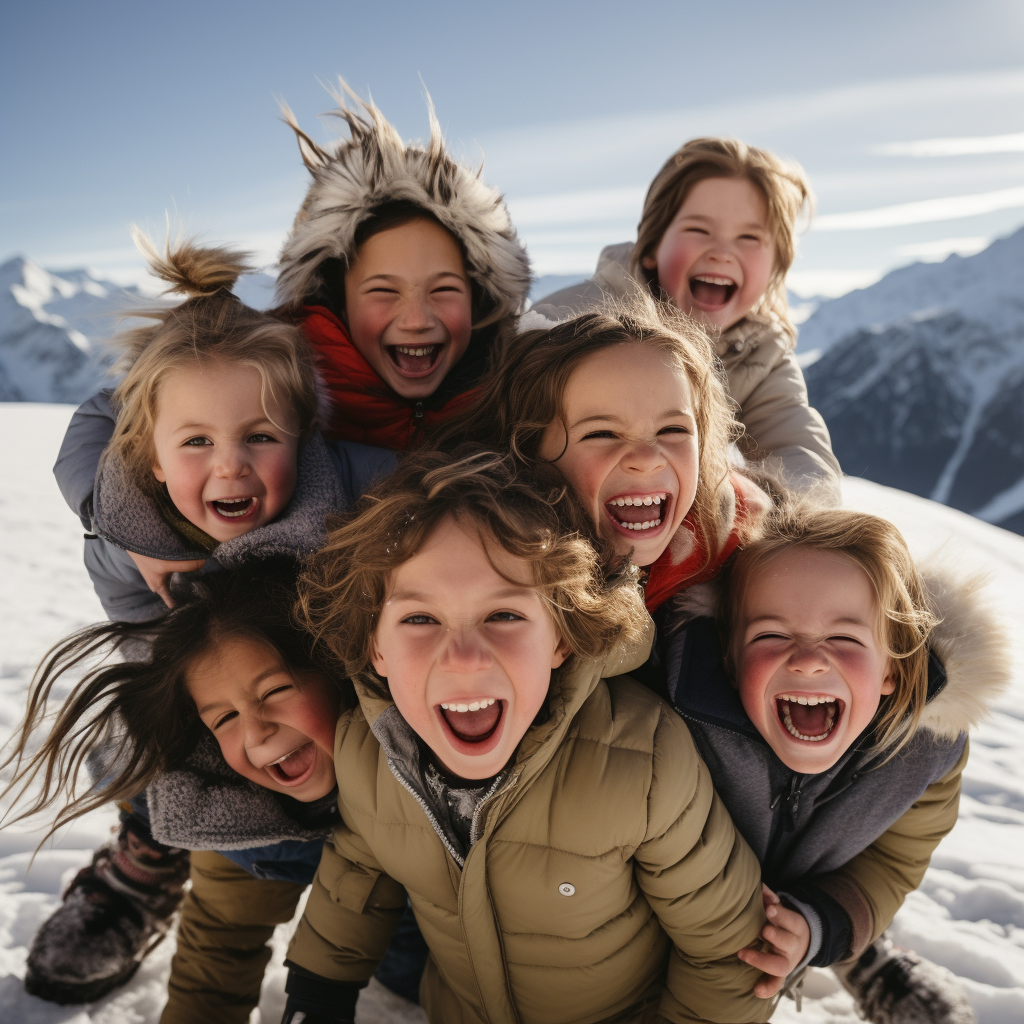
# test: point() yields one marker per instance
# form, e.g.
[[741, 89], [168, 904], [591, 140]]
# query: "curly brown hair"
[[522, 394], [784, 185], [532, 516]]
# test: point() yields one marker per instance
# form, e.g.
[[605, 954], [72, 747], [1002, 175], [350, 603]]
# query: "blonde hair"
[[530, 516], [905, 616], [785, 188], [211, 325], [523, 393]]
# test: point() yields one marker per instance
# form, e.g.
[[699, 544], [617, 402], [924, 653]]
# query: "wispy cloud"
[[922, 212], [940, 248], [968, 145]]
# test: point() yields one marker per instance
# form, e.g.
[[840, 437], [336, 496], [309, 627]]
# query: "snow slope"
[[968, 915]]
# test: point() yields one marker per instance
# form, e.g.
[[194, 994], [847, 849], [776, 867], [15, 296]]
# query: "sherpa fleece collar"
[[129, 518]]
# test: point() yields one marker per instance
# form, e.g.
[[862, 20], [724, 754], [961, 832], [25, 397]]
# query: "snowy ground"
[[968, 915]]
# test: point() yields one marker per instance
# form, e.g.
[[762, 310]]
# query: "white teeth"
[[713, 279], [423, 351], [284, 757], [235, 501], [476, 705], [806, 700], [649, 499], [649, 525]]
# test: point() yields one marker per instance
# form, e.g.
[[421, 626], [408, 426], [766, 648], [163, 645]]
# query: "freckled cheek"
[[457, 318]]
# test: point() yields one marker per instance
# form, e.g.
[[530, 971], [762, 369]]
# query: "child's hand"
[[787, 936], [156, 570]]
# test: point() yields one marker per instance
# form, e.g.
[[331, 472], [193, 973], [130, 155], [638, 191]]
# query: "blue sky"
[[908, 116]]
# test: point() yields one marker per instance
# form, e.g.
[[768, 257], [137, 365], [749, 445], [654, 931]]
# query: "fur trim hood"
[[969, 640], [374, 166]]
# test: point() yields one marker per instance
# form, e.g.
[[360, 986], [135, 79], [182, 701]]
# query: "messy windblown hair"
[[135, 716], [211, 326], [529, 516]]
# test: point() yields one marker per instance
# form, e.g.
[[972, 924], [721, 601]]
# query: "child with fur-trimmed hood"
[[401, 266], [835, 731]]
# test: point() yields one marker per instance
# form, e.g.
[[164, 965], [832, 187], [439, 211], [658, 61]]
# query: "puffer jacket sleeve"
[[88, 433], [703, 882], [779, 421], [352, 910], [226, 921], [872, 886]]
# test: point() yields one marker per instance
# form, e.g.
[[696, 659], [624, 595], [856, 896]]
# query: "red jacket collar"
[[363, 407]]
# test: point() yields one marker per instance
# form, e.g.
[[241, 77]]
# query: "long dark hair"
[[134, 717]]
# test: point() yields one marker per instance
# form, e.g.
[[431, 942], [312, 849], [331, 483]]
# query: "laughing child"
[[402, 266], [214, 461], [716, 238], [228, 725], [626, 404], [547, 817], [839, 746]]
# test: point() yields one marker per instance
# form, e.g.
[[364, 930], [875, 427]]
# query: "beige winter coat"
[[603, 861], [763, 376]]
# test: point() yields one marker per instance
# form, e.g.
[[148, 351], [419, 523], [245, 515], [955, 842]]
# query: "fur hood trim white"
[[972, 645], [374, 166], [969, 639]]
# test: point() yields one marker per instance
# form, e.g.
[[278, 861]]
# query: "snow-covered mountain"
[[52, 328], [921, 380]]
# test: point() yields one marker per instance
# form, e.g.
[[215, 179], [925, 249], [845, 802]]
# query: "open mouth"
[[710, 291], [809, 717], [294, 768], [474, 722], [235, 508], [415, 360], [639, 513]]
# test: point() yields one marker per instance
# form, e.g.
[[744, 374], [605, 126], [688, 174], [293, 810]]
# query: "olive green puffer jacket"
[[606, 881]]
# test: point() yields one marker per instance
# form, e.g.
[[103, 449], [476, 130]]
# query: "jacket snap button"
[[566, 889]]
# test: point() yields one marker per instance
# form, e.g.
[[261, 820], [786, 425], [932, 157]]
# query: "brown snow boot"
[[114, 912]]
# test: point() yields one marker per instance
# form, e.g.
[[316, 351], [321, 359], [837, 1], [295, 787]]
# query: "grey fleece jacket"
[[119, 518]]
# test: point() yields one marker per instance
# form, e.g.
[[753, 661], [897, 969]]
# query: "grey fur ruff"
[[374, 166]]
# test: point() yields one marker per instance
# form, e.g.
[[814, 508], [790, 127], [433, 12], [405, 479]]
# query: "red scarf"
[[665, 580], [363, 407]]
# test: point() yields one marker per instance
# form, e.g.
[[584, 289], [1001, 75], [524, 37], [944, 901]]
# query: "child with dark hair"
[[401, 266], [227, 724]]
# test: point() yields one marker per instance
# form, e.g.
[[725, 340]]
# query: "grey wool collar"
[[205, 805], [374, 166], [126, 516]]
